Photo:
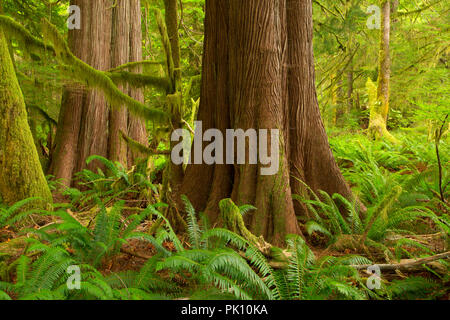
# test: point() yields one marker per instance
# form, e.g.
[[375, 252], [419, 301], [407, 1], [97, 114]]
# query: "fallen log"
[[406, 265]]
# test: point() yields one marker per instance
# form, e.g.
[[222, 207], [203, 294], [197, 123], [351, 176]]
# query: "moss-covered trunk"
[[21, 174], [379, 109]]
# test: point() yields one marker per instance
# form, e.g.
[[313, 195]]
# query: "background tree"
[[86, 126], [379, 109], [21, 174]]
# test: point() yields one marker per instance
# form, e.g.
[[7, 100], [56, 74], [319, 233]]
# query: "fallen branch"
[[135, 254], [405, 265]]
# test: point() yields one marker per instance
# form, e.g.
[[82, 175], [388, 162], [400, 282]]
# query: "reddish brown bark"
[[258, 72], [136, 126], [120, 49], [109, 36]]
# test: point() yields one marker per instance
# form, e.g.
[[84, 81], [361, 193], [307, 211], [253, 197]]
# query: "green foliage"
[[116, 183], [109, 205], [10, 215]]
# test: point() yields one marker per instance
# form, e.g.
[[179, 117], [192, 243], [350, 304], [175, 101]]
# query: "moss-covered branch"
[[139, 147], [95, 78], [139, 80], [135, 64], [27, 41], [83, 72]]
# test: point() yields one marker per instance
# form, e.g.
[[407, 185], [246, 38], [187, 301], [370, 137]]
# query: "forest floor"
[[373, 171]]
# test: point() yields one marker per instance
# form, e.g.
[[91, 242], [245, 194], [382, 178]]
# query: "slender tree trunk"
[[350, 99], [384, 75], [258, 72], [21, 174], [174, 176], [380, 109]]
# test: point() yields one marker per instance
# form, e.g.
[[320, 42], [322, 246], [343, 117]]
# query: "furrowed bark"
[[258, 73]]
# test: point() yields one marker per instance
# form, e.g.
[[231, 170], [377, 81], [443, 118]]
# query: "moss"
[[139, 147], [21, 175], [78, 70], [131, 65], [232, 219], [139, 80], [97, 79], [27, 41], [167, 47]]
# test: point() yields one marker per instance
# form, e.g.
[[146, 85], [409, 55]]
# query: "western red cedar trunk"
[[174, 176], [120, 54], [83, 121], [311, 159], [21, 174], [64, 158], [110, 36], [93, 137], [136, 126], [258, 72]]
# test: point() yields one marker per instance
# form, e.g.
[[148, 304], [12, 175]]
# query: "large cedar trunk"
[[258, 72], [110, 36], [21, 174]]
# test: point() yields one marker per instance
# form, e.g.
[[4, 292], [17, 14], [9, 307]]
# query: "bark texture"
[[258, 72], [110, 36]]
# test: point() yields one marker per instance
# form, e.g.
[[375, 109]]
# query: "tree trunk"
[[350, 99], [136, 126], [120, 54], [110, 36], [21, 174], [380, 109], [258, 72], [93, 137]]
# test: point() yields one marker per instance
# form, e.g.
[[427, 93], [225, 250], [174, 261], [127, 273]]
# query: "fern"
[[194, 231]]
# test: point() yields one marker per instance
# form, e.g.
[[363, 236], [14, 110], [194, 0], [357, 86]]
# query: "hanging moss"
[[97, 79], [139, 147], [21, 174], [167, 47], [131, 65], [78, 70], [139, 80], [27, 41]]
